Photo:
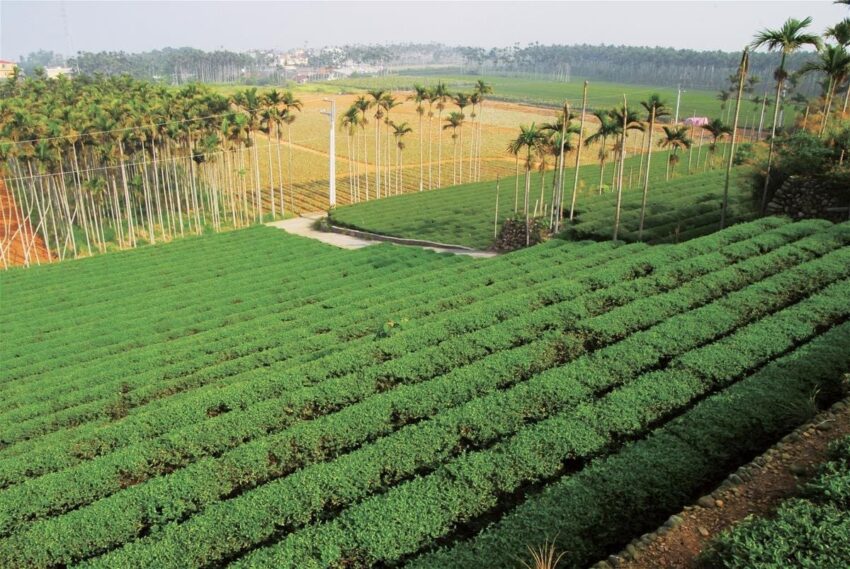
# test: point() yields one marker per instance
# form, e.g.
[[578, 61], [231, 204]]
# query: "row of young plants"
[[219, 328], [464, 322], [286, 271], [464, 214], [409, 517], [310, 494], [589, 513], [206, 354], [677, 206], [812, 530], [594, 208], [230, 335], [75, 519], [420, 337], [76, 338], [264, 384], [327, 341], [165, 262]]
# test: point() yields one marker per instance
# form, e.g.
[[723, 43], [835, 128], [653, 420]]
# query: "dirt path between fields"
[[768, 480], [305, 227]]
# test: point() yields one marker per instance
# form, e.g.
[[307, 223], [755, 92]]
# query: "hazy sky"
[[69, 26]]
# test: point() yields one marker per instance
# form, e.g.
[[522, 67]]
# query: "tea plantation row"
[[686, 206], [262, 400]]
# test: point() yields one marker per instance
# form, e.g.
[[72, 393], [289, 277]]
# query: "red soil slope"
[[9, 225]]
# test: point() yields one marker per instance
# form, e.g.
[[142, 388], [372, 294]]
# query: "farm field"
[[262, 400], [310, 147], [687, 205], [601, 94]]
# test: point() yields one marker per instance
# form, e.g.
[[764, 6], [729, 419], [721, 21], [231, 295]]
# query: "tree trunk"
[[578, 152], [772, 135], [646, 179], [742, 76]]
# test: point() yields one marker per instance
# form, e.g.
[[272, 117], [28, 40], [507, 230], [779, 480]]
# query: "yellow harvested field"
[[310, 146]]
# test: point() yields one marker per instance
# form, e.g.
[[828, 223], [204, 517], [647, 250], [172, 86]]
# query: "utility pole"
[[332, 151], [678, 101]]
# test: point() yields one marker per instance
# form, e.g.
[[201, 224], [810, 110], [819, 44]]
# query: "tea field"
[[685, 206], [255, 399]]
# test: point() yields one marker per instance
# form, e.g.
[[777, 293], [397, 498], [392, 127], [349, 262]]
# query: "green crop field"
[[685, 206], [254, 399], [545, 92]]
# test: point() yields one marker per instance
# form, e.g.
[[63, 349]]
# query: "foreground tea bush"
[[810, 531]]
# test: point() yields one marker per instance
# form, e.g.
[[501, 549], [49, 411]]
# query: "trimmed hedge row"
[[284, 339], [267, 383], [768, 295], [598, 509], [670, 276], [410, 516], [302, 497], [765, 243]]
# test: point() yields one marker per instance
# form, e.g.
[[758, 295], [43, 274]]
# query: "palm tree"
[[349, 121], [834, 62], [717, 130], [482, 89], [626, 120], [399, 131], [388, 102], [251, 104], [274, 100], [419, 96], [362, 104], [378, 96], [607, 127], [441, 94], [461, 101], [655, 108], [674, 139], [787, 39], [474, 100], [291, 105], [559, 143], [840, 32], [454, 121], [723, 97], [532, 140]]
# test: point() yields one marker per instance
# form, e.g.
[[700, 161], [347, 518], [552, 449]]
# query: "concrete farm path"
[[305, 227]]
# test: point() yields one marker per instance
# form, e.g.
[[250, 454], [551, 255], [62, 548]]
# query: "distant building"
[[7, 68], [54, 72], [294, 58], [696, 121]]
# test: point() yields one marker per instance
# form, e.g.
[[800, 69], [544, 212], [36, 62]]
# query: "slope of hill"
[[682, 208], [260, 400]]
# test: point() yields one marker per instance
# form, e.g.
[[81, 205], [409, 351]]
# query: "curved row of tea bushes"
[[596, 510]]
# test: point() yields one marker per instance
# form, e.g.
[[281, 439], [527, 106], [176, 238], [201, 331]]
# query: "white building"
[[54, 72]]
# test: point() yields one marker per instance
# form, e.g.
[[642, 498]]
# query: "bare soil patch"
[[775, 476]]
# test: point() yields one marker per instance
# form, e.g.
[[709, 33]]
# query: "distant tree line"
[[660, 66], [642, 65], [169, 65]]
